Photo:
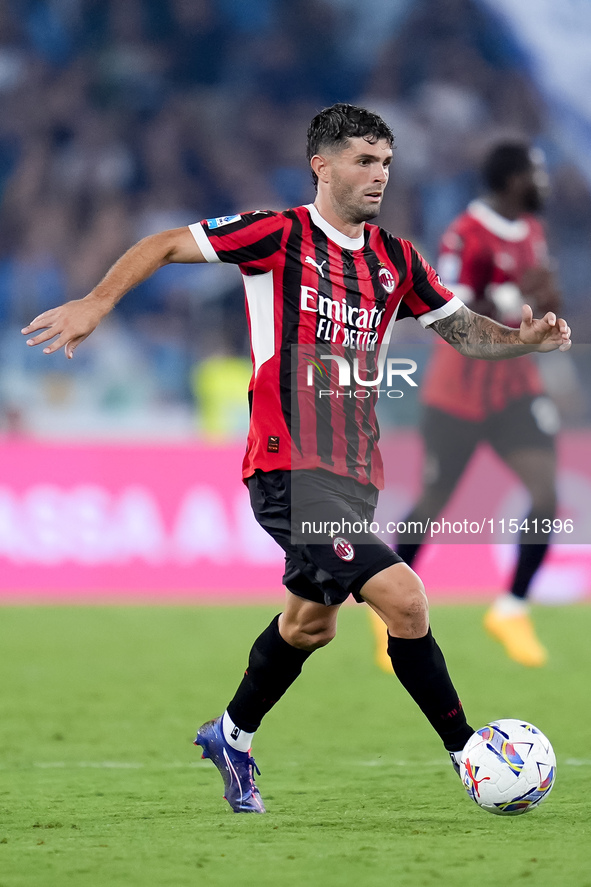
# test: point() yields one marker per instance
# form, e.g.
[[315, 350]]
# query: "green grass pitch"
[[100, 784]]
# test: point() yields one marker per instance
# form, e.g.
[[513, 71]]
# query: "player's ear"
[[321, 166]]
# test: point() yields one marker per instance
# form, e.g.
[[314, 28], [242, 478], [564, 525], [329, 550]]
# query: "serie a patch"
[[221, 221]]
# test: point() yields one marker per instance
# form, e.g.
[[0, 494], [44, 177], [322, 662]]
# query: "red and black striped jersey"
[[483, 259], [320, 307]]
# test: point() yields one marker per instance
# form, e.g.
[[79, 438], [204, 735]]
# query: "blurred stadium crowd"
[[123, 117]]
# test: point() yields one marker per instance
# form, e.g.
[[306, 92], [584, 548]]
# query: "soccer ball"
[[508, 767]]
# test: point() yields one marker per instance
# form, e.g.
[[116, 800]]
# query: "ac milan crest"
[[387, 280], [343, 548]]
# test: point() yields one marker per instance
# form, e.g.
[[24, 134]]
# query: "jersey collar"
[[506, 229], [350, 243]]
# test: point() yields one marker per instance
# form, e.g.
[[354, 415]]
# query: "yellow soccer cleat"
[[380, 632], [516, 633]]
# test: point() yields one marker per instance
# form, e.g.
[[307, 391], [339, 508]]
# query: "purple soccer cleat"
[[236, 768]]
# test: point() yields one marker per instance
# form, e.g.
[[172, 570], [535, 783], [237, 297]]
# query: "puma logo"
[[471, 777], [310, 261]]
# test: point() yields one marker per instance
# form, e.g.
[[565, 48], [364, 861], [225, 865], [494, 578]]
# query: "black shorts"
[[527, 423], [321, 520]]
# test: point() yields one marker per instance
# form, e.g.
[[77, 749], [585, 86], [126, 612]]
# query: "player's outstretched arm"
[[72, 323], [476, 336]]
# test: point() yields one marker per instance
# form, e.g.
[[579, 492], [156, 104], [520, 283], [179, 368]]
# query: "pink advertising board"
[[98, 522]]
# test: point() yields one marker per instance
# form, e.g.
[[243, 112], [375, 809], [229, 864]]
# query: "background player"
[[318, 279], [494, 256]]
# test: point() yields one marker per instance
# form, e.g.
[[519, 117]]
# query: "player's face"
[[357, 177], [536, 185]]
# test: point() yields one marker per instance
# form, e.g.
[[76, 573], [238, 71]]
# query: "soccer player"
[[494, 256], [323, 289]]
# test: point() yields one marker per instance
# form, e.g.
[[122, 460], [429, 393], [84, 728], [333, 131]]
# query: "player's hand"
[[68, 325], [546, 334]]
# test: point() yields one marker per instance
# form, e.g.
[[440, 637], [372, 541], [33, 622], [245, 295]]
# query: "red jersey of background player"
[[485, 259], [319, 303]]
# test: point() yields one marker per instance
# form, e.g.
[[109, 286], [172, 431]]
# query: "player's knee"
[[413, 609], [405, 604], [320, 638], [310, 635]]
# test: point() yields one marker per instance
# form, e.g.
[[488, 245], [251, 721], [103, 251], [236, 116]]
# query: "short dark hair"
[[334, 126], [503, 161]]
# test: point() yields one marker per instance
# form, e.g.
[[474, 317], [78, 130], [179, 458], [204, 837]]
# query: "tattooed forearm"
[[476, 336]]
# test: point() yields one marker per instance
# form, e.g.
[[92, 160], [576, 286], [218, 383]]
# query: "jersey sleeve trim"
[[444, 311], [464, 292], [202, 241]]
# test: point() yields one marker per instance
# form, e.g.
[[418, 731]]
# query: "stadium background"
[[120, 119]]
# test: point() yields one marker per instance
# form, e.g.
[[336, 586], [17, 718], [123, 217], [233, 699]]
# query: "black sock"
[[420, 667], [532, 551], [529, 559], [273, 665]]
